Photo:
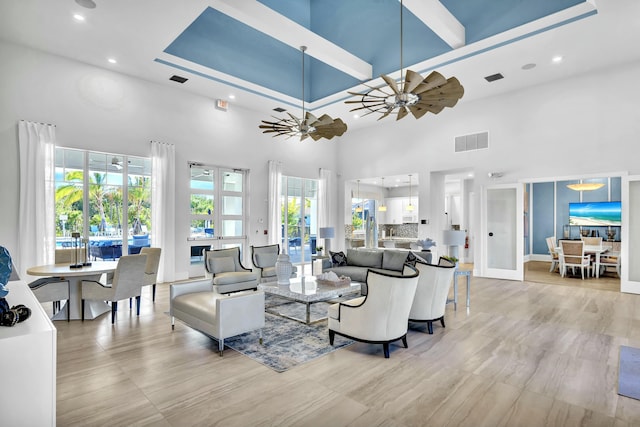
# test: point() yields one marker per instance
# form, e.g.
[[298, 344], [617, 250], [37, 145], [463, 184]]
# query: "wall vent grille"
[[474, 141]]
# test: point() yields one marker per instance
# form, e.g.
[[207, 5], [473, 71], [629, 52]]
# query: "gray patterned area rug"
[[629, 372], [287, 343]]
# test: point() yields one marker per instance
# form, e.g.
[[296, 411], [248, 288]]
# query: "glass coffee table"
[[307, 290]]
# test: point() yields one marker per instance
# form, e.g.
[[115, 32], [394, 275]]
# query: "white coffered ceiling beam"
[[263, 19], [439, 19]]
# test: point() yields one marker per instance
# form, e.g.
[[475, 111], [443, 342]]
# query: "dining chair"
[[555, 258], [610, 259], [128, 280], [573, 256], [151, 268], [430, 300], [380, 317]]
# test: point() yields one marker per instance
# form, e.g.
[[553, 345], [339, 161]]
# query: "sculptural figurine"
[[17, 313]]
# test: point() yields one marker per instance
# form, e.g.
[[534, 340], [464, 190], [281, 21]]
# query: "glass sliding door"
[[300, 219]]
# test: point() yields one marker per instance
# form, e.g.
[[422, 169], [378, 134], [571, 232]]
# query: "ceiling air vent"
[[279, 109], [494, 77], [178, 79], [474, 141]]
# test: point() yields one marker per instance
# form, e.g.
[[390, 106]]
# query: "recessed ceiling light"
[[355, 116], [78, 17], [528, 66], [112, 61], [557, 59], [89, 4], [232, 97]]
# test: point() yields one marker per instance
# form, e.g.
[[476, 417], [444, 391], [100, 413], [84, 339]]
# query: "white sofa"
[[217, 315]]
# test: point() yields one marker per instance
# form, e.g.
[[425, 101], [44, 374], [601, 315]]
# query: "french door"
[[630, 235], [218, 212], [299, 201]]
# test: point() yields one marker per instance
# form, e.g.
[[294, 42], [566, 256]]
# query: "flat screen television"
[[595, 213]]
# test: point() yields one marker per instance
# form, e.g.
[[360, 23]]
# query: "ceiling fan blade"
[[386, 113], [368, 107], [401, 113], [430, 82], [412, 80], [392, 84]]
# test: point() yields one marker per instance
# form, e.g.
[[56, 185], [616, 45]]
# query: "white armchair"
[[431, 293], [219, 316], [264, 260], [380, 317], [228, 274]]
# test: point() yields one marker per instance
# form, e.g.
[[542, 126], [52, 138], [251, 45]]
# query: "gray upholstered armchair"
[[380, 317], [431, 294], [228, 274], [264, 260]]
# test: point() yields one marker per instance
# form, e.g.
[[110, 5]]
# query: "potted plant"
[[319, 250], [452, 259]]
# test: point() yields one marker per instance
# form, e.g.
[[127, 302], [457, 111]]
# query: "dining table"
[[75, 276], [596, 250]]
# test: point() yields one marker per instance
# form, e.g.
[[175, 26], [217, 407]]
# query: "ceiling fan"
[[413, 94], [309, 125], [116, 163]]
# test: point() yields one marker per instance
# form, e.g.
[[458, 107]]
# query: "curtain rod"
[[40, 123]]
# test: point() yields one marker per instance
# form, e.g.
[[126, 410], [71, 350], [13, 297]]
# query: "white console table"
[[28, 364]]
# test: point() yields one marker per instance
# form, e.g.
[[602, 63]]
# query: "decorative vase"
[[283, 269]]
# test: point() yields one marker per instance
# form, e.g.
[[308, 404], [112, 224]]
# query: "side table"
[[456, 274]]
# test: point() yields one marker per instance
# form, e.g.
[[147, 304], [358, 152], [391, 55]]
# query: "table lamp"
[[327, 233], [453, 239]]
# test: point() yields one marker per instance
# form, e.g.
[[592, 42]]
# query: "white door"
[[502, 232], [630, 235]]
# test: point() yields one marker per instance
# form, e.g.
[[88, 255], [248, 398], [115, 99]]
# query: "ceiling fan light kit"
[[411, 94], [309, 125]]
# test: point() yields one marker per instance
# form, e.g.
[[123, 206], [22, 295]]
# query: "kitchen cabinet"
[[397, 212]]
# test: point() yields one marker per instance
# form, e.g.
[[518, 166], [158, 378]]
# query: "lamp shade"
[[327, 233], [453, 237]]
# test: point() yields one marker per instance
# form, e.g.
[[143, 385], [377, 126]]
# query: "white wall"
[[101, 110]]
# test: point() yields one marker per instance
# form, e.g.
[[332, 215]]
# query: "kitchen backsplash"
[[392, 230]]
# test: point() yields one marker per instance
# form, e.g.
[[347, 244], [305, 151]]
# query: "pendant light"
[[359, 207], [410, 206], [382, 207]]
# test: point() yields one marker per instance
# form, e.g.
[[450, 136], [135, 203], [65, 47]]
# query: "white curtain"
[[36, 229], [275, 214], [163, 213], [325, 199]]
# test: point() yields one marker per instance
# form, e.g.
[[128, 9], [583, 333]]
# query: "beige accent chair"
[[592, 241], [264, 260], [219, 316], [610, 259], [151, 269], [555, 258], [127, 283], [224, 268], [573, 256], [380, 317], [432, 291]]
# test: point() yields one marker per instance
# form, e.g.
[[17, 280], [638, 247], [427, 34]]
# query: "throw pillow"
[[411, 259], [394, 260], [338, 259], [221, 264]]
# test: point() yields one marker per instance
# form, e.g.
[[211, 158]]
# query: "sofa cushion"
[[221, 264], [394, 260], [357, 274], [201, 305], [338, 259], [364, 258], [266, 260]]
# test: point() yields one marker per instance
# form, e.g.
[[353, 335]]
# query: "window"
[[91, 188], [217, 211]]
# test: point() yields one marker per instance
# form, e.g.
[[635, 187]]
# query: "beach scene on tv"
[[595, 213]]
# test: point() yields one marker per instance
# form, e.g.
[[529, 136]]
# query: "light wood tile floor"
[[525, 354]]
